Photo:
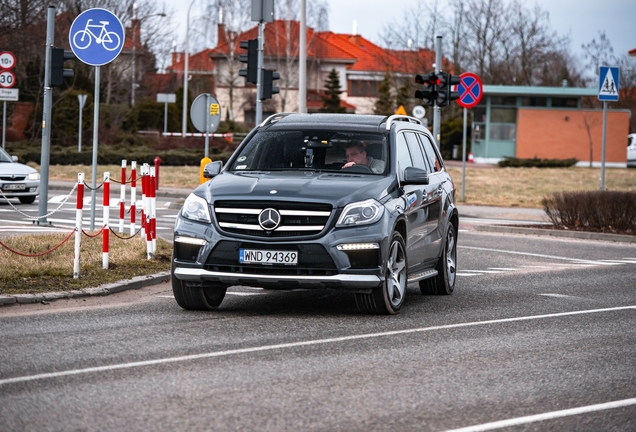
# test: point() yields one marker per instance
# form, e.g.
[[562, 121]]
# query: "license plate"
[[13, 186], [255, 256]]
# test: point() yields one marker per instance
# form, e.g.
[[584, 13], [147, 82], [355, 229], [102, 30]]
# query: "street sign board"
[[470, 90], [419, 112], [96, 37], [205, 113], [608, 84], [9, 94], [7, 60], [7, 79], [166, 97]]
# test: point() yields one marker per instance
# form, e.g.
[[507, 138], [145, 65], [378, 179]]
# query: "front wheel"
[[202, 297], [27, 199], [387, 299]]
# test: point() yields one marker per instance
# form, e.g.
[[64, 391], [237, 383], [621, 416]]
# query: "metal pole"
[[132, 94], [437, 113], [82, 100], [259, 76], [95, 142], [4, 122], [302, 60], [207, 124], [464, 156], [46, 121], [184, 114], [165, 117], [603, 149]]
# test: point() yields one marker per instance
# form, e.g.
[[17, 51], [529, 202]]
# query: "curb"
[[124, 285], [585, 235]]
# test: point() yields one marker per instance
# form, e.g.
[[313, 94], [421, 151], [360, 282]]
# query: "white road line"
[[263, 348], [620, 261], [502, 268], [578, 260], [555, 295], [484, 271], [546, 416], [243, 293], [468, 274]]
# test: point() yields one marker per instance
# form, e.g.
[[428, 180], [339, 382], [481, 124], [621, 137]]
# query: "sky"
[[580, 19]]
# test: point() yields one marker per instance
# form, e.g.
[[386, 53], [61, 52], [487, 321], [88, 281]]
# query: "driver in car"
[[356, 154]]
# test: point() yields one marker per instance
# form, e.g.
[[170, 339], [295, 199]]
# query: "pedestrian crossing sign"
[[608, 84]]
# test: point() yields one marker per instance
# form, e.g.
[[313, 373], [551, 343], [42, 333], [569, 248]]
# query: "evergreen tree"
[[404, 96], [331, 98], [385, 104]]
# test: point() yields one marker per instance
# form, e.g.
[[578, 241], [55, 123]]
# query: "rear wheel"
[[197, 296], [387, 299], [444, 282]]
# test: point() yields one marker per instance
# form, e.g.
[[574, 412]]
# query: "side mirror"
[[14, 158], [212, 169], [415, 176]]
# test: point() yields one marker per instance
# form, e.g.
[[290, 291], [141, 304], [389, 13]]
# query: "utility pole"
[[437, 112]]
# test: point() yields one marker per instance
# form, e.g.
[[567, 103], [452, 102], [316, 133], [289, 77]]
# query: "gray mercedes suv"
[[361, 203]]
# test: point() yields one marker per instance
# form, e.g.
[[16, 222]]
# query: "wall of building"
[[563, 133]]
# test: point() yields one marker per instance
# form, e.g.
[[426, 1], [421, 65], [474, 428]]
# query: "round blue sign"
[[470, 90], [96, 37]]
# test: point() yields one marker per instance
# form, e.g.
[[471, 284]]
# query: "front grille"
[[16, 178], [297, 219], [313, 259]]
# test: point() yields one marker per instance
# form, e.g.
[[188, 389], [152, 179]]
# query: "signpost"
[[7, 80], [96, 37], [607, 92], [81, 98], [470, 90], [205, 114], [166, 98]]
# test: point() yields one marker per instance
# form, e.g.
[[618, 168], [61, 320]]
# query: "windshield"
[[4, 156], [315, 150]]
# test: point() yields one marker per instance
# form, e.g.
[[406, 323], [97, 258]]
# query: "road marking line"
[[555, 295], [468, 274], [546, 416], [243, 293], [620, 261], [577, 260], [301, 344], [484, 271], [502, 268]]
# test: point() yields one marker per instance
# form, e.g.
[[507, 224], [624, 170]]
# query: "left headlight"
[[34, 176], [361, 213], [196, 208]]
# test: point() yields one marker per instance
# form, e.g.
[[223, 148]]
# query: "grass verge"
[[54, 271]]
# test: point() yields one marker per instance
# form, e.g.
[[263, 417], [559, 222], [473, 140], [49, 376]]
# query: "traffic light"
[[58, 73], [427, 94], [445, 93], [251, 58], [267, 82]]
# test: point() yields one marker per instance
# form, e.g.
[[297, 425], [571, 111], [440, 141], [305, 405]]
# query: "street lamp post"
[[184, 117], [134, 23]]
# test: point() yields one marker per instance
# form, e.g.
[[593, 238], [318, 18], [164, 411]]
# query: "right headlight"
[[196, 208], [361, 213]]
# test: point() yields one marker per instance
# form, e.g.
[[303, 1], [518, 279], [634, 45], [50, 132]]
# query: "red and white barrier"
[[106, 228], [133, 196], [144, 189], [122, 196], [78, 225], [153, 210]]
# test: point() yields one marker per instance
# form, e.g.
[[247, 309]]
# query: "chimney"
[[176, 58], [220, 35], [136, 28]]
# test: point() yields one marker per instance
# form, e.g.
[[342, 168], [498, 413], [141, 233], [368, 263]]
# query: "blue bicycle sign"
[[96, 37]]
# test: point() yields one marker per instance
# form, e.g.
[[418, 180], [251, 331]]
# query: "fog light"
[[357, 246], [190, 240]]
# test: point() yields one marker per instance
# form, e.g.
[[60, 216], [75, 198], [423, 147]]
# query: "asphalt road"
[[537, 327]]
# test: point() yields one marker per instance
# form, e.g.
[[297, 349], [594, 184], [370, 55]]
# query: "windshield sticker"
[[241, 158], [242, 167]]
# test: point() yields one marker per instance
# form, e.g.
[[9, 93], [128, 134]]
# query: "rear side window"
[[431, 154], [417, 153]]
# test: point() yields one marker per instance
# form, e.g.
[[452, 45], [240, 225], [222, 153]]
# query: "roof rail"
[[273, 118], [398, 117]]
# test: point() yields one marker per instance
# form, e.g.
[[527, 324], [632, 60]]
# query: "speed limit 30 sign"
[[7, 61]]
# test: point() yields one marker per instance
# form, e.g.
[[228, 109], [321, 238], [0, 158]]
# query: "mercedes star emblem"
[[269, 219]]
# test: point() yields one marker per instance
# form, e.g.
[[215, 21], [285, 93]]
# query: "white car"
[[631, 150], [18, 180]]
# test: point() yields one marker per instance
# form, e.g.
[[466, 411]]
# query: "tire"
[[201, 297], [444, 282], [388, 298], [27, 199]]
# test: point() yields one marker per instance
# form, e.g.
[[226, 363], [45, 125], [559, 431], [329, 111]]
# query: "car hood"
[[9, 168], [334, 188]]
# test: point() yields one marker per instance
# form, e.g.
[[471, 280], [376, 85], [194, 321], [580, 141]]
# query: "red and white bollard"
[[78, 225], [153, 210], [143, 200], [133, 196], [122, 196], [106, 227]]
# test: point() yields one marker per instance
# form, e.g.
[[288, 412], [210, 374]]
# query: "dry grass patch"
[[54, 271]]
